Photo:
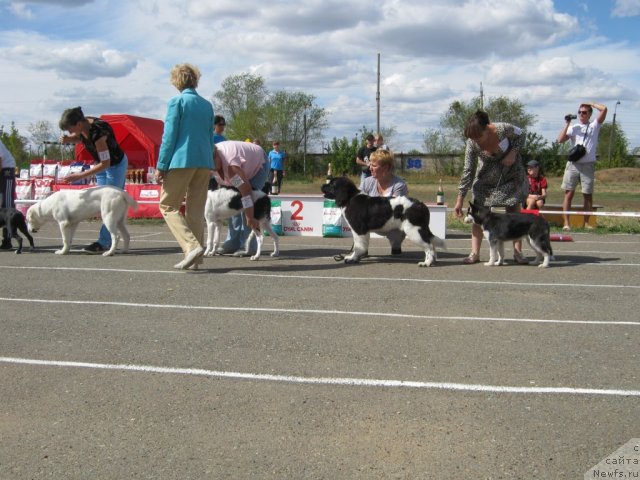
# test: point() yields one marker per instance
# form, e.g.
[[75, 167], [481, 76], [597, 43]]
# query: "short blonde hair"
[[185, 75], [383, 158]]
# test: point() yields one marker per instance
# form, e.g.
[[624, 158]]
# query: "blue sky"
[[114, 57]]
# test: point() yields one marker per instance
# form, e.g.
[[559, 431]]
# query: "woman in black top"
[[110, 162]]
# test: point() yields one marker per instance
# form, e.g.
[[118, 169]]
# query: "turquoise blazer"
[[187, 140]]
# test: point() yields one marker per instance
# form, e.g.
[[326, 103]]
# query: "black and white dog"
[[499, 228], [367, 214], [13, 220], [225, 202]]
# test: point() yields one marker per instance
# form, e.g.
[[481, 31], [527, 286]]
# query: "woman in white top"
[[383, 183]]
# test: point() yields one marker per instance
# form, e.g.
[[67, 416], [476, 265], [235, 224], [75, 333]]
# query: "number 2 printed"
[[295, 215]]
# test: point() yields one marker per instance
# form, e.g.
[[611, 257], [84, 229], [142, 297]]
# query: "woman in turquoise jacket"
[[184, 163]]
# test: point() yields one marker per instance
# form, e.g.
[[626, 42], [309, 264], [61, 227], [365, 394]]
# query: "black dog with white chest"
[[499, 228], [13, 220], [367, 214]]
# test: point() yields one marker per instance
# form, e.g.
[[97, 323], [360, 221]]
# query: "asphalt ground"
[[303, 367]]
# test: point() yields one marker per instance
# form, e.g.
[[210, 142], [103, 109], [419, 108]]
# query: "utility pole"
[[378, 99], [481, 97], [613, 129], [304, 155]]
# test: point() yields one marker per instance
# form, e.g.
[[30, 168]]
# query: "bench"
[[576, 221]]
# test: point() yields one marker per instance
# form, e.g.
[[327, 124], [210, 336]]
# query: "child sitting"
[[537, 186]]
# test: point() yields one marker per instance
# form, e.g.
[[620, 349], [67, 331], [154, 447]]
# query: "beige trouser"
[[191, 185]]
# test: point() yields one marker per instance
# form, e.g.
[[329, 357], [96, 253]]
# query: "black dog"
[[13, 220], [499, 228], [367, 214]]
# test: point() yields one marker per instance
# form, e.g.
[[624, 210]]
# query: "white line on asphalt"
[[321, 312], [346, 382], [336, 278]]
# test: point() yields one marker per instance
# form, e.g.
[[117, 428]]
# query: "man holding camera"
[[582, 170]]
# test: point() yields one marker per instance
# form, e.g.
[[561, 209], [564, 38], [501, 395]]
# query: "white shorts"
[[579, 173]]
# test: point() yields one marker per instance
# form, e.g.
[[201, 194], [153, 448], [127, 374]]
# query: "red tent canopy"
[[139, 137]]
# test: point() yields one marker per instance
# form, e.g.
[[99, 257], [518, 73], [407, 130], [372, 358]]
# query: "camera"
[[569, 117]]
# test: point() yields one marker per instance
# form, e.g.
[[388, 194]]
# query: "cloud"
[[537, 71], [80, 61], [21, 11], [96, 102], [465, 30], [62, 3], [290, 17], [626, 8]]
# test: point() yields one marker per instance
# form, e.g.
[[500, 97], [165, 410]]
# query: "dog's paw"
[[491, 264], [542, 265], [61, 252], [275, 254], [254, 257], [108, 253], [351, 260], [424, 264]]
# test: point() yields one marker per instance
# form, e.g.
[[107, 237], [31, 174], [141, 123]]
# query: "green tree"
[[342, 155], [500, 109], [613, 147], [42, 135], [242, 101], [436, 141], [286, 113], [16, 144]]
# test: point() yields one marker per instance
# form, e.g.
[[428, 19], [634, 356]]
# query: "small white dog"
[[225, 202], [70, 207]]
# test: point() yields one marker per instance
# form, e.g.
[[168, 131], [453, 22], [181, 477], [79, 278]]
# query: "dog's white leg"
[[124, 233], [429, 256], [211, 248], [500, 253], [545, 262], [217, 227], [109, 220], [274, 235], [259, 239], [66, 230], [534, 246], [493, 254], [114, 242], [360, 248]]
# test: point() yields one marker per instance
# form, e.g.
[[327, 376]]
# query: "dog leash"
[[339, 257]]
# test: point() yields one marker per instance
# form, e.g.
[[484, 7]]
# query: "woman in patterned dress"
[[494, 173]]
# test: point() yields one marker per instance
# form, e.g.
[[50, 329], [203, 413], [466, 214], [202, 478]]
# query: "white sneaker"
[[190, 258]]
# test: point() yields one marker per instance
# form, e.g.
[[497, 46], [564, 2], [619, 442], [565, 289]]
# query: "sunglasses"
[[583, 112]]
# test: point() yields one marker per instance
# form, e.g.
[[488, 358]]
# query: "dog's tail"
[[130, 201], [439, 243]]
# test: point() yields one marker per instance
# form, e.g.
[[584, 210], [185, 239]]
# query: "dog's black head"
[[340, 189], [476, 213]]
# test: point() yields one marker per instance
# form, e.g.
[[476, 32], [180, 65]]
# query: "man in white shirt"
[[582, 171]]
